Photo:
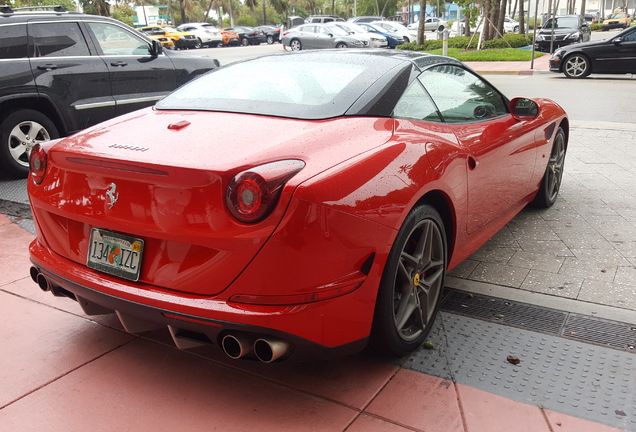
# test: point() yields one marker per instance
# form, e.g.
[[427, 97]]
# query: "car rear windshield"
[[292, 85]]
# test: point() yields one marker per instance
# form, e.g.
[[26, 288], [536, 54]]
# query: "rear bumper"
[[318, 330]]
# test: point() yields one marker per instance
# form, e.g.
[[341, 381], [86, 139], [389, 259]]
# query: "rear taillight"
[[252, 194], [37, 164]]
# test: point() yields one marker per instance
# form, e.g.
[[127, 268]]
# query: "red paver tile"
[[565, 423], [419, 401], [144, 386], [486, 412], [14, 251], [366, 423], [40, 344], [353, 381]]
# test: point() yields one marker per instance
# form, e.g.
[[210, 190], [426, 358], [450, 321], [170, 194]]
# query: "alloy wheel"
[[576, 66], [418, 281], [23, 137], [555, 167]]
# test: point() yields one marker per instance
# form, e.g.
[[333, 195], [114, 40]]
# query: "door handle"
[[48, 66], [119, 64]]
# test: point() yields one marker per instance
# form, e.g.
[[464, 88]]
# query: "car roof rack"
[[54, 8]]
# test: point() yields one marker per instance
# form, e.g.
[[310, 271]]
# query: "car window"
[[630, 37], [113, 40], [13, 41], [462, 96], [61, 39], [416, 104]]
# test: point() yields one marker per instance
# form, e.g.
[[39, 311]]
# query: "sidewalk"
[[541, 65]]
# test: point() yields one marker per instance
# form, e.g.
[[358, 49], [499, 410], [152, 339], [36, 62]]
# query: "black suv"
[[61, 72]]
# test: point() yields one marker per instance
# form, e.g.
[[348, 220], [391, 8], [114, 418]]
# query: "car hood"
[[583, 45], [170, 171], [558, 31]]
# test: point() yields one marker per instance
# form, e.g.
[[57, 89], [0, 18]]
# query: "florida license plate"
[[115, 254]]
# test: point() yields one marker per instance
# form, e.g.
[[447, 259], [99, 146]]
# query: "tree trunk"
[[420, 27], [264, 13], [522, 18]]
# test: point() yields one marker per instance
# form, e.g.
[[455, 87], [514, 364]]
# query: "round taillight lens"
[[252, 194], [37, 164]]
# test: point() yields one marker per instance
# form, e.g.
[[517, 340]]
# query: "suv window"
[[114, 41], [61, 39], [13, 41]]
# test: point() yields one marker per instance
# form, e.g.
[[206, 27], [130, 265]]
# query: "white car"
[[375, 40], [208, 34], [396, 27], [510, 25], [430, 24]]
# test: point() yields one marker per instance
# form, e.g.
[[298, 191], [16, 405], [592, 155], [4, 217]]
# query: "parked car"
[[182, 40], [319, 36], [73, 71], [611, 56], [397, 28], [510, 25], [272, 34], [229, 37], [250, 35], [430, 24], [207, 34], [617, 20], [322, 19], [374, 40], [393, 39], [329, 222], [365, 19], [562, 30], [166, 42]]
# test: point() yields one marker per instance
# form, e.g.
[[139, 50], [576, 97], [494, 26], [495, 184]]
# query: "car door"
[[71, 75], [500, 151], [138, 79], [324, 37], [619, 56], [308, 36]]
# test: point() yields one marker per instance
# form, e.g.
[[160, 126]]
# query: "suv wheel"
[[19, 132], [198, 44]]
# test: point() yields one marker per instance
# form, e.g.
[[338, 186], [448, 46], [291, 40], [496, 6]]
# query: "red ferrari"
[[305, 211]]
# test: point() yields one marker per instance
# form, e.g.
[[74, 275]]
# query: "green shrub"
[[594, 27], [517, 40]]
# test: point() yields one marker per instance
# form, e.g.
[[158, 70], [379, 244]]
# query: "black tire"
[[341, 45], [551, 183], [576, 66], [219, 45], [515, 29], [19, 132], [270, 40], [406, 40], [295, 45], [245, 42], [412, 282], [199, 44]]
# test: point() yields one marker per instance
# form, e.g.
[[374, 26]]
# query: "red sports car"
[[309, 209]]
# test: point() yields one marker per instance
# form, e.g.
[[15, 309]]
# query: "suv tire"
[[19, 132]]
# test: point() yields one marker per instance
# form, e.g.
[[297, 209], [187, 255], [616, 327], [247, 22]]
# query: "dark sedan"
[[615, 55], [562, 30], [272, 34], [250, 35]]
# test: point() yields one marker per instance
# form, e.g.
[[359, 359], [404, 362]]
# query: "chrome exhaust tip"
[[268, 351], [34, 272], [236, 346]]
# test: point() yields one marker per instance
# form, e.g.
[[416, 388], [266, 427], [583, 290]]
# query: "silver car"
[[319, 36], [430, 24], [207, 34], [375, 40]]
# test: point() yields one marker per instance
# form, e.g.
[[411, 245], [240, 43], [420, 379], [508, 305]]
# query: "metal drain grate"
[[17, 209], [569, 325]]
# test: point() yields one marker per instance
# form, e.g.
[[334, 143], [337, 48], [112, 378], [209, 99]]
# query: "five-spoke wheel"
[[551, 183], [412, 283], [576, 66]]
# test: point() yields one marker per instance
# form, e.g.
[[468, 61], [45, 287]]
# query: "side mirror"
[[330, 35], [617, 40], [155, 48], [524, 109]]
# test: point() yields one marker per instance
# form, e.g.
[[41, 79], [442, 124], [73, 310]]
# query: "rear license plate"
[[115, 254]]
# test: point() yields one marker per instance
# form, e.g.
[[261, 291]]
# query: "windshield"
[[337, 31], [284, 85], [617, 15], [565, 22], [209, 27], [170, 29]]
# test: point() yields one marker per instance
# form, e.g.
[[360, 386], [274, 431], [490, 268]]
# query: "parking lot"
[[555, 288]]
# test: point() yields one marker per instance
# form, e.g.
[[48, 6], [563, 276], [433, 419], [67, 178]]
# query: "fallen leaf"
[[513, 359]]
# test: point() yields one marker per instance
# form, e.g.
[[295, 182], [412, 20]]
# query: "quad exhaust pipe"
[[40, 279], [267, 350]]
